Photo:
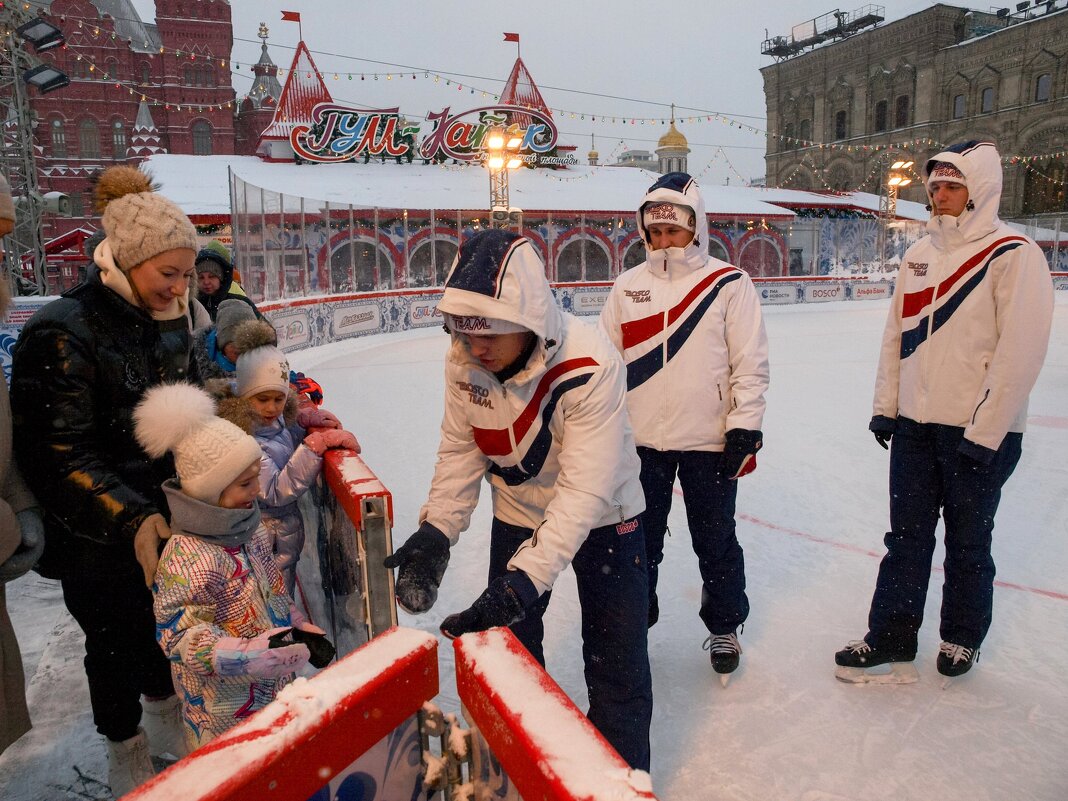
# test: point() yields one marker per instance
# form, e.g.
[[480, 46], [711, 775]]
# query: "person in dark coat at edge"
[[80, 367], [215, 279], [21, 535]]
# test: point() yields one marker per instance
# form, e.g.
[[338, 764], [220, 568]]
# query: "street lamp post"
[[501, 156], [896, 178]]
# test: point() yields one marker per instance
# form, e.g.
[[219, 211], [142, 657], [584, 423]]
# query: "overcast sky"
[[598, 58]]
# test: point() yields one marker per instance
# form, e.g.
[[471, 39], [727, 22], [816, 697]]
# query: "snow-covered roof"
[[199, 185]]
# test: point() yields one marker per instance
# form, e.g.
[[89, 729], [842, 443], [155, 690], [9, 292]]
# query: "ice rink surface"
[[811, 521]]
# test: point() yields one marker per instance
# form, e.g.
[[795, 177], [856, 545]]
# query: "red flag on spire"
[[290, 16], [511, 37]]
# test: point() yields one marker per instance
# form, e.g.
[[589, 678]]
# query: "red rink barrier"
[[548, 748], [313, 730]]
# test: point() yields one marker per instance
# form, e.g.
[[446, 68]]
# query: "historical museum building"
[[848, 96]]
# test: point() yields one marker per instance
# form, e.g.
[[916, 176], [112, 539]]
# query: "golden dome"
[[592, 154], [672, 138]]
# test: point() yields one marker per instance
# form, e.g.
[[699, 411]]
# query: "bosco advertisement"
[[818, 293]]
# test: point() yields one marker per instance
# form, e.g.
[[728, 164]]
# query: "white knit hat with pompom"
[[209, 452]]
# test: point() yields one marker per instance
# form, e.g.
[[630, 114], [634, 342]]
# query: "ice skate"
[[725, 652], [859, 663], [955, 660]]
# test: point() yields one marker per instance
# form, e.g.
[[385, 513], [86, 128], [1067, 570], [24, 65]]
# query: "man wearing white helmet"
[[964, 342]]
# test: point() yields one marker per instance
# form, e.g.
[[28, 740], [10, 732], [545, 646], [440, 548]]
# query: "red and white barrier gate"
[[314, 731], [548, 749]]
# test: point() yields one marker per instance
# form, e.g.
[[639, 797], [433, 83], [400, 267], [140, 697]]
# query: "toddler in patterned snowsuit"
[[219, 597]]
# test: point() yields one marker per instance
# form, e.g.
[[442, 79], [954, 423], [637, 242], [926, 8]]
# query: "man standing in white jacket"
[[535, 405], [964, 342], [691, 332]]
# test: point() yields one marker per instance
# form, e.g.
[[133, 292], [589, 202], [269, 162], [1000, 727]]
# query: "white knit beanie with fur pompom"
[[209, 452]]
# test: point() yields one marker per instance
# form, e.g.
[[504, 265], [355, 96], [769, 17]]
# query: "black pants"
[[123, 661], [611, 576], [929, 475], [710, 499]]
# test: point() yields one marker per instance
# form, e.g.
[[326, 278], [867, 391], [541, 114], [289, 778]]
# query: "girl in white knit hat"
[[224, 618], [293, 439]]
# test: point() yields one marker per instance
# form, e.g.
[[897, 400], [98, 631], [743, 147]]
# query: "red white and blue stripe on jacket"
[[932, 307], [531, 430], [690, 310]]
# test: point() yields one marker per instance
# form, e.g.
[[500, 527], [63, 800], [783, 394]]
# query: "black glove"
[[504, 602], [883, 428], [321, 651], [30, 548], [739, 456], [422, 561]]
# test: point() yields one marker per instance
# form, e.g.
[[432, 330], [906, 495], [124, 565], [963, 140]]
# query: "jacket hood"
[[212, 255], [680, 188], [980, 164], [499, 274]]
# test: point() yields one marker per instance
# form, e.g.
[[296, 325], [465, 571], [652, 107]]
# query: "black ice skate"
[[955, 660], [856, 660], [725, 652]]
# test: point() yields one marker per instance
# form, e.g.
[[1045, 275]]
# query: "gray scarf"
[[227, 528]]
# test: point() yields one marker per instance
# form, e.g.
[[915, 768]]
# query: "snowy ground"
[[812, 519]]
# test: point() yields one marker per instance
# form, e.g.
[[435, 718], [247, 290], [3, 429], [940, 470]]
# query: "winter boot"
[[855, 660], [956, 660], [129, 764], [725, 651], [163, 724]]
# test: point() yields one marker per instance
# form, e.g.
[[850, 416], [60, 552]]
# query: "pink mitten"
[[254, 656], [314, 417], [320, 441]]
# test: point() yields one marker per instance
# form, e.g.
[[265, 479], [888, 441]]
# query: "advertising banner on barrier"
[[424, 313], [818, 293], [1060, 282], [871, 291], [356, 318], [584, 299], [293, 327], [771, 294]]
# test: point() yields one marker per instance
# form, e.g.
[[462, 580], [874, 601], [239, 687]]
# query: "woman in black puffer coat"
[[79, 368]]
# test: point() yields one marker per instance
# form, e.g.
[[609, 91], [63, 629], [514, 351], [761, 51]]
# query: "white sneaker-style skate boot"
[[162, 720], [129, 764]]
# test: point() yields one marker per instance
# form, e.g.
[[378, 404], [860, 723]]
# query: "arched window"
[[146, 73], [987, 104], [635, 254], [59, 138], [901, 111], [201, 138], [88, 139], [582, 260], [840, 129], [716, 249], [1043, 84], [430, 262], [806, 132], [187, 75], [880, 116], [958, 107], [788, 135], [118, 140]]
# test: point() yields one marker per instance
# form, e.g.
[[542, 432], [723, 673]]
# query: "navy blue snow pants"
[[612, 590], [123, 661], [709, 498], [927, 474]]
